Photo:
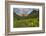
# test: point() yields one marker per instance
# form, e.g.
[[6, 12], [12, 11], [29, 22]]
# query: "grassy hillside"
[[32, 20]]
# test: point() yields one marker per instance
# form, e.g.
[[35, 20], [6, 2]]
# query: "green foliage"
[[32, 20]]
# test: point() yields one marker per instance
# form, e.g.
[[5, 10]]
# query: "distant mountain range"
[[33, 14]]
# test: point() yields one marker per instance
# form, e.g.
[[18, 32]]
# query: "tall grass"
[[26, 22]]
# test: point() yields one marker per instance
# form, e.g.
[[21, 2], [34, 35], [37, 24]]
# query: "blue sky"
[[22, 10]]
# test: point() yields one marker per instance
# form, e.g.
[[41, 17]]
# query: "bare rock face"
[[22, 14]]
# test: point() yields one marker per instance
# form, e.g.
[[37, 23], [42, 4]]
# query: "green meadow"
[[32, 20]]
